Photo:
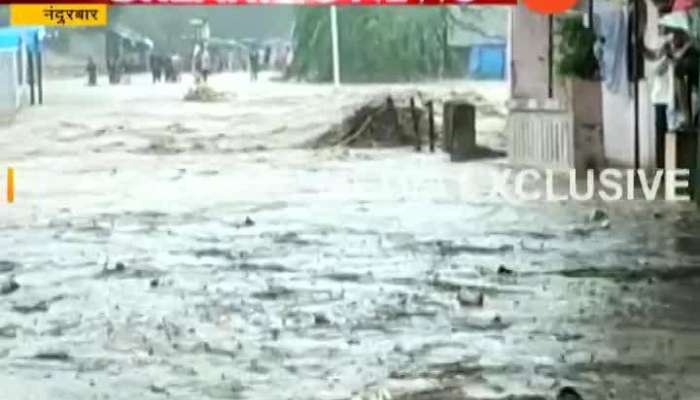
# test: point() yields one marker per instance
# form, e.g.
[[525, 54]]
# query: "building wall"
[[529, 78], [618, 122], [13, 94], [8, 82], [529, 45]]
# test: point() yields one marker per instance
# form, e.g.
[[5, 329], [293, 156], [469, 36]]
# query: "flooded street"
[[166, 249]]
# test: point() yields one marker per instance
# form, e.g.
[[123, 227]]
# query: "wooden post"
[[431, 126], [30, 75], [416, 130], [447, 116], [40, 75]]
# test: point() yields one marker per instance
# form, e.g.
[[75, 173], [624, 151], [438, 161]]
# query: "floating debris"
[[41, 306], [118, 268], [378, 394], [597, 215], [52, 356], [205, 94], [9, 331], [320, 319], [248, 222], [451, 249], [568, 393], [378, 122], [8, 266], [468, 299], [158, 389], [581, 231], [9, 286], [503, 270]]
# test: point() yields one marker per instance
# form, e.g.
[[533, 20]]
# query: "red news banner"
[[270, 2], [537, 6]]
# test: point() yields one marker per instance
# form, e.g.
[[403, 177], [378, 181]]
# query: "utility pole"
[[334, 40], [635, 72]]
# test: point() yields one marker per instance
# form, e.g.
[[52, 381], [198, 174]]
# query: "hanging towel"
[[676, 20], [610, 24]]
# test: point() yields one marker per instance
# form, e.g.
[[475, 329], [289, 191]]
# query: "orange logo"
[[550, 6], [10, 185]]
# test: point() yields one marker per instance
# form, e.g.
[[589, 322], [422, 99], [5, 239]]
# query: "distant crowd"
[[204, 62], [166, 67]]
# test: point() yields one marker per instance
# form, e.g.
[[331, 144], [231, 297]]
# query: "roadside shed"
[[20, 68]]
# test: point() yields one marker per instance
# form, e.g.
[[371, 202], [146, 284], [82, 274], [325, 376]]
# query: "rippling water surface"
[[198, 251]]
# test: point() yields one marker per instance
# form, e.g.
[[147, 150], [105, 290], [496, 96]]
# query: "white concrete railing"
[[542, 138]]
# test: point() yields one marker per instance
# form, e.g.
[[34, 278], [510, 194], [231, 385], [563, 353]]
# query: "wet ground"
[[199, 251]]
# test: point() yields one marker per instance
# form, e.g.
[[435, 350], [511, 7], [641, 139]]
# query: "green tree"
[[377, 44]]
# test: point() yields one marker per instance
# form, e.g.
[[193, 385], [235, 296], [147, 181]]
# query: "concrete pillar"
[[529, 53], [460, 130]]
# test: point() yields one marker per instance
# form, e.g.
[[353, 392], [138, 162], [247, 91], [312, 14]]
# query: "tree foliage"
[[377, 44], [576, 53]]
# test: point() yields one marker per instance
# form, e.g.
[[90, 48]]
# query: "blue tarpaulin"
[[10, 37], [487, 61]]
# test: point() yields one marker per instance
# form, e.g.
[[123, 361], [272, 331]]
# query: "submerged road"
[[178, 250]]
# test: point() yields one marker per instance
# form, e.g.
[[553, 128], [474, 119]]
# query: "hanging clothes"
[[693, 18], [661, 65], [661, 78], [686, 25], [610, 24], [683, 5]]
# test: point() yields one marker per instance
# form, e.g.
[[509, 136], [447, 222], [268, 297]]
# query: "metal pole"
[[431, 126], [30, 74], [550, 61], [336, 52], [635, 73], [40, 70]]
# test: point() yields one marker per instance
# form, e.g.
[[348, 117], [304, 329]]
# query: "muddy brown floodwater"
[[178, 250]]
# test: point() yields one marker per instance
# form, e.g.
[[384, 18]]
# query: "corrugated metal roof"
[[134, 37]]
